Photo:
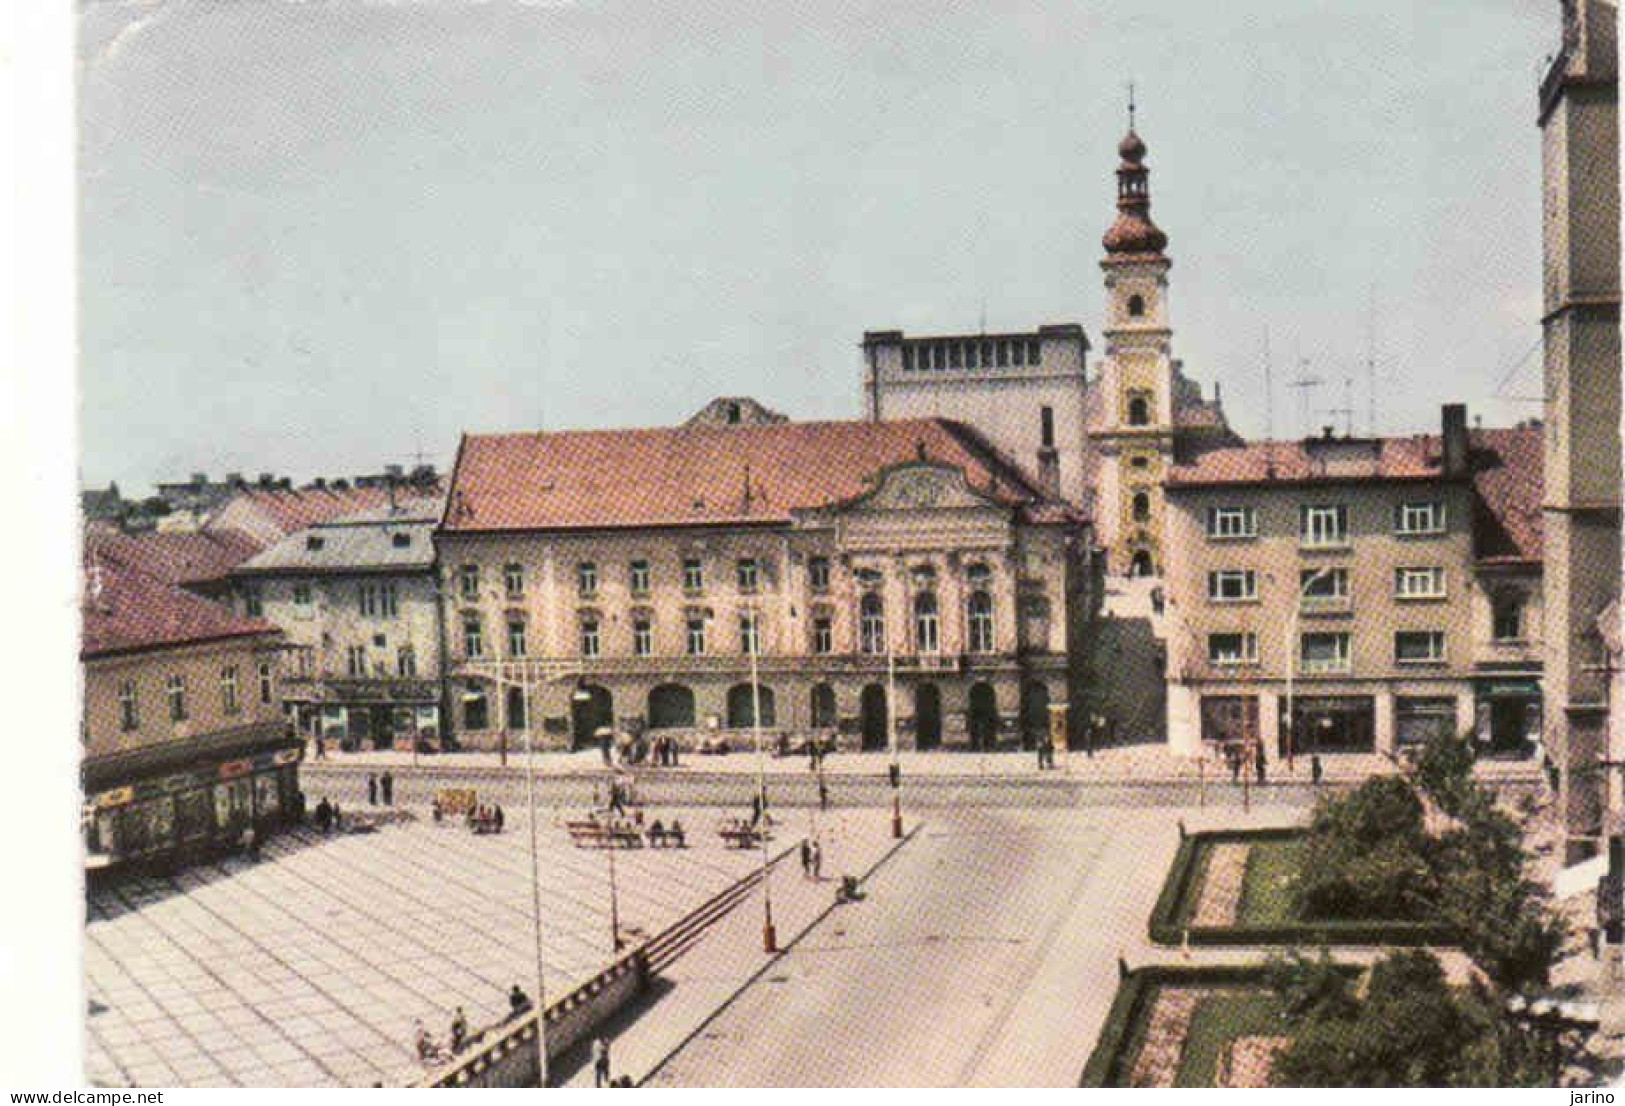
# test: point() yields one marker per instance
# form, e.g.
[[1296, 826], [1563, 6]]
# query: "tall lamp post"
[[770, 940], [895, 770], [499, 673], [1292, 659]]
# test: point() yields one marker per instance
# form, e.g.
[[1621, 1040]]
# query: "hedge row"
[[1172, 906]]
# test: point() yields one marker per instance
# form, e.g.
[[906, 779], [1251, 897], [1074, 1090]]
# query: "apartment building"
[[357, 600], [1387, 589], [184, 741], [625, 578]]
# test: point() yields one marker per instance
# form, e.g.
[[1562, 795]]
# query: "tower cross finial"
[[1131, 104]]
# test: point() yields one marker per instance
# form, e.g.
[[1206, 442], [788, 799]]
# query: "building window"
[[1032, 351], [229, 702], [926, 623], [253, 603], [1136, 305], [401, 541], [823, 639], [638, 577], [302, 599], [1418, 646], [129, 712], [476, 710], [1323, 587], [369, 600], [1004, 354], [696, 637], [357, 658], [315, 543], [589, 637], [818, 573], [750, 638], [468, 581], [1232, 585], [587, 578], [516, 637], [175, 692], [1323, 526], [1141, 507], [746, 574], [1046, 427], [954, 361], [1232, 522], [1419, 518], [1507, 618], [1139, 411], [1419, 583], [980, 620], [378, 600], [643, 637], [305, 660], [267, 682], [513, 580], [1321, 652], [693, 574], [473, 638], [406, 662], [872, 624], [1232, 649], [908, 359]]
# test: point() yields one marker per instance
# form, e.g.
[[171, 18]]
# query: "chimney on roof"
[[200, 478], [286, 484], [1326, 433], [1454, 439], [319, 483]]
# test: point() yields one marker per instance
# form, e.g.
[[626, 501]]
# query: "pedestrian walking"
[[386, 787], [817, 862], [1232, 757], [459, 1030], [806, 858], [321, 748], [604, 745], [496, 817], [600, 1062], [1040, 756], [1315, 769], [1258, 763], [823, 795], [372, 789]]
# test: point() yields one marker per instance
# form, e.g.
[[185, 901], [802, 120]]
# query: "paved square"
[[309, 966]]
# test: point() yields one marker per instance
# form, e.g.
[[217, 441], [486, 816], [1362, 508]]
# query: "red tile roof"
[[125, 609], [1507, 475], [293, 509], [199, 557], [693, 475]]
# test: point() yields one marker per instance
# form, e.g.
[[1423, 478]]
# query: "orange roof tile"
[[695, 475], [192, 557], [125, 609]]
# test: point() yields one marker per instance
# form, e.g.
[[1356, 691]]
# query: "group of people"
[[812, 860], [664, 750], [485, 818], [328, 816], [1046, 754], [430, 1051], [381, 787], [661, 836], [1236, 757]]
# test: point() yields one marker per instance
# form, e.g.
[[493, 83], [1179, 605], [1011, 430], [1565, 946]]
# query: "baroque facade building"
[[1390, 588], [875, 570], [356, 598]]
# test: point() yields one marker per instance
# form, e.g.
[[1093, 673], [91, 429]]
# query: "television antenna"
[[1305, 384]]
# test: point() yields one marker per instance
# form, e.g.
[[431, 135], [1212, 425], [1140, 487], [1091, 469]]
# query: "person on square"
[[817, 862], [518, 1001], [675, 833], [459, 1030], [600, 1062], [806, 858], [372, 789], [386, 788], [496, 817]]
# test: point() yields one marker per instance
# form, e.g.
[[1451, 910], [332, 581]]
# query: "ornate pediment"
[[922, 486]]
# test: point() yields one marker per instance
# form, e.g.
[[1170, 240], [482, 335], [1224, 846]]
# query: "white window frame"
[[637, 577], [643, 637], [230, 700], [1323, 525], [823, 635], [1436, 653], [980, 626], [587, 578], [267, 682], [750, 633], [129, 707], [818, 573], [1420, 582], [304, 600], [513, 580], [927, 625], [518, 634], [355, 659], [473, 637], [1248, 654], [694, 637], [253, 601], [1337, 575], [693, 574], [1420, 518], [468, 581], [1245, 579], [406, 662], [1232, 523], [872, 628], [1341, 662], [747, 574], [175, 693], [591, 638]]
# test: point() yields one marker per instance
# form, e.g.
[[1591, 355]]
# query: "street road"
[[985, 954]]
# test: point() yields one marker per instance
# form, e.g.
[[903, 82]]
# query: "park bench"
[[743, 836], [589, 834]]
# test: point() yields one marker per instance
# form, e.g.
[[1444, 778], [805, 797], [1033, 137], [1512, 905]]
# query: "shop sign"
[[234, 768], [287, 756], [116, 797]]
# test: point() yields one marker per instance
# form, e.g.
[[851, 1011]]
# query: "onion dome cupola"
[[1133, 232]]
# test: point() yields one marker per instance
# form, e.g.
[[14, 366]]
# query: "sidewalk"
[[730, 957], [1118, 764]]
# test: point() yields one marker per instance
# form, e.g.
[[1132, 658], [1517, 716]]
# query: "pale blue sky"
[[318, 236]]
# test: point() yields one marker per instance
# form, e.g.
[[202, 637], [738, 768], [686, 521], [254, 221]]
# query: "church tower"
[[1138, 393]]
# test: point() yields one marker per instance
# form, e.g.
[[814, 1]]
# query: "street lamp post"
[[1292, 661], [770, 940], [891, 737]]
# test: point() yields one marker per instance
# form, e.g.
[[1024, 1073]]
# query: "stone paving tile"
[[309, 966]]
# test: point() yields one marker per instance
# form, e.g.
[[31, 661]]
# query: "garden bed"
[[1263, 912]]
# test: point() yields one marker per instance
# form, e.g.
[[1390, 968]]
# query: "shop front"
[[1331, 724], [1508, 715], [191, 811]]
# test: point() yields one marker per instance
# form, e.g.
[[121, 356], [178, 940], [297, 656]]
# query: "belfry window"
[[1136, 305], [1139, 411]]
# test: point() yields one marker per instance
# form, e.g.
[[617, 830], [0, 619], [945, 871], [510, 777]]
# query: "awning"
[[1581, 878], [1508, 689]]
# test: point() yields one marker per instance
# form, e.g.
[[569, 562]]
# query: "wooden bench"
[[743, 837], [597, 835]]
